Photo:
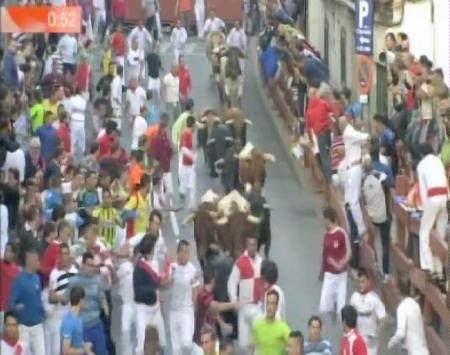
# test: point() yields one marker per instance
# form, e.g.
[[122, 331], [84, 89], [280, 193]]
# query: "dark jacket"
[[145, 284], [10, 71], [7, 144], [26, 241]]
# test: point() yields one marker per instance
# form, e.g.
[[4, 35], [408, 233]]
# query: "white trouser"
[[199, 10], [177, 51], [158, 25], [53, 335], [187, 183], [181, 327], [154, 85], [372, 344], [148, 315], [32, 339], [246, 317], [78, 139], [352, 193], [334, 291], [168, 183], [127, 320], [434, 213], [100, 19]]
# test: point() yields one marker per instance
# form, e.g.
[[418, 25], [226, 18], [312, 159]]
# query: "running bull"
[[252, 167]]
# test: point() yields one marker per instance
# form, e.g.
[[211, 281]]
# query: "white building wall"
[[339, 17]]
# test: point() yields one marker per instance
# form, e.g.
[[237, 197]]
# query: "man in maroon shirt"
[[318, 122], [207, 310], [52, 80], [161, 151], [336, 254], [352, 343], [8, 273]]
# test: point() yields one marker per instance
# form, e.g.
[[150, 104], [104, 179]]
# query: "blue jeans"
[[96, 336]]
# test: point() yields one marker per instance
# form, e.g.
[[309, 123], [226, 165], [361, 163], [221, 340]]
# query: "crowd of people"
[[411, 138], [82, 249]]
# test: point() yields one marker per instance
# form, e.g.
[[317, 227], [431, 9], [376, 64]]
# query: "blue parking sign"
[[364, 12]]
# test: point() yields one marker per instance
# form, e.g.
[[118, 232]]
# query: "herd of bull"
[[228, 219]]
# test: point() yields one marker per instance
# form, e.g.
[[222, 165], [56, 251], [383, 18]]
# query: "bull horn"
[[222, 221], [248, 187], [189, 219], [267, 206], [268, 156], [213, 214], [229, 121], [254, 220], [250, 123]]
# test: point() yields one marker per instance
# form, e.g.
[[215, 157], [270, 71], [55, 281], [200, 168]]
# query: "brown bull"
[[236, 224], [252, 167], [205, 228]]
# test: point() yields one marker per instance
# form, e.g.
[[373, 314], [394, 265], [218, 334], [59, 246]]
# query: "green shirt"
[[36, 116], [445, 153], [270, 338], [178, 127]]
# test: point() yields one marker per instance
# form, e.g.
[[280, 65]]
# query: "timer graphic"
[[40, 19]]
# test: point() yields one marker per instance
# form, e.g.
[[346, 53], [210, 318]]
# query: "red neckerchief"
[[14, 344]]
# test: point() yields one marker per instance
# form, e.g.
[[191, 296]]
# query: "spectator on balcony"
[[318, 123], [353, 142], [354, 109], [376, 197], [433, 187], [386, 139], [410, 329]]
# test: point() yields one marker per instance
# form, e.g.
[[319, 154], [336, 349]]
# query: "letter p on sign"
[[363, 12]]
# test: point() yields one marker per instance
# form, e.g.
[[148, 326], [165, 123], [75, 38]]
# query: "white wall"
[[442, 37], [428, 36], [339, 16]]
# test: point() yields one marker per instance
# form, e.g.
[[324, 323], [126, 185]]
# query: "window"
[[343, 57], [382, 93], [326, 39], [389, 12]]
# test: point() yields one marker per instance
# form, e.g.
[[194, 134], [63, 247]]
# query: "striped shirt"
[[59, 281], [107, 221], [322, 347]]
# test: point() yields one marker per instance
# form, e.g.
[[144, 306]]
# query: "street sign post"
[[364, 15]]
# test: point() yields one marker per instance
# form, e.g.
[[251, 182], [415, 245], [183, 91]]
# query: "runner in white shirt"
[[116, 96], [136, 98], [199, 9], [135, 60], [185, 283], [172, 92], [68, 48], [213, 23], [410, 329], [78, 107], [144, 37], [59, 280], [238, 39], [139, 128], [178, 40], [100, 15], [128, 312], [371, 312]]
